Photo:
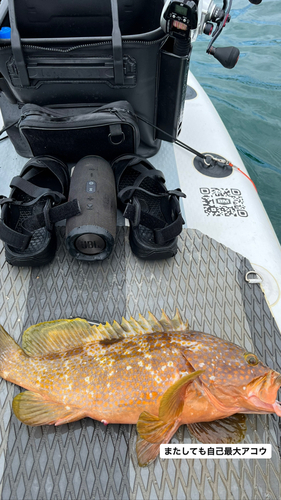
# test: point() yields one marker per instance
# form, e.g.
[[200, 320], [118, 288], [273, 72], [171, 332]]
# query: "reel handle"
[[227, 56]]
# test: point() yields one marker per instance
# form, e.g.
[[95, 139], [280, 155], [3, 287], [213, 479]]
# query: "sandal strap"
[[134, 213], [138, 163], [47, 218], [163, 232], [169, 232], [56, 166], [4, 199], [13, 238], [51, 215], [177, 192], [34, 191], [129, 190]]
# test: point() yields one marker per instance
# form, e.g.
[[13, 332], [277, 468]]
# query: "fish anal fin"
[[172, 401], [32, 409], [230, 430]]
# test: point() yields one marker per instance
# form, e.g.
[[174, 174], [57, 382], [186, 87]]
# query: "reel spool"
[[90, 235]]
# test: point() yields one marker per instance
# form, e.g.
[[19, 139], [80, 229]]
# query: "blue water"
[[248, 97]]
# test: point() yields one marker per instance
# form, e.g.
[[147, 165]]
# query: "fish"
[[157, 374]]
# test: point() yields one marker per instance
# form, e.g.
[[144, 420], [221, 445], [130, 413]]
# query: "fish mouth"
[[262, 407], [262, 393]]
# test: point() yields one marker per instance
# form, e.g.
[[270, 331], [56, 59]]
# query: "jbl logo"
[[84, 245]]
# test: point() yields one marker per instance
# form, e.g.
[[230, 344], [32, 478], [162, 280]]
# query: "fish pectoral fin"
[[172, 401], [230, 430], [32, 409], [153, 432]]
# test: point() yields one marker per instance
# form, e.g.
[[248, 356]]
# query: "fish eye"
[[251, 359]]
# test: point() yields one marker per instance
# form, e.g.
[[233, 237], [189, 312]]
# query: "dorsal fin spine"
[[98, 335], [118, 329], [156, 326], [136, 326], [166, 322], [125, 325], [110, 330], [177, 322], [144, 324], [104, 331]]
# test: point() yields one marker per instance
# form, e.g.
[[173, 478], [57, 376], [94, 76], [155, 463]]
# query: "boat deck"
[[85, 459]]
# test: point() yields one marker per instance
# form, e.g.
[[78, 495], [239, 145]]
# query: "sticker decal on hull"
[[223, 202]]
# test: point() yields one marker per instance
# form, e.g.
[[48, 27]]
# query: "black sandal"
[[29, 214], [153, 211]]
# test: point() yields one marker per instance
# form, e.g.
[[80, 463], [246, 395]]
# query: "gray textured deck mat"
[[86, 460]]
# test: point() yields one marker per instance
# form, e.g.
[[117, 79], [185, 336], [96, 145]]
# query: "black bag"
[[64, 132], [73, 52]]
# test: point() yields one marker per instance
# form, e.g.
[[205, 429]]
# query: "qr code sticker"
[[223, 202]]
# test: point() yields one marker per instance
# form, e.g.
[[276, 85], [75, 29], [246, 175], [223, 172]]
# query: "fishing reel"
[[227, 56], [184, 20], [179, 19]]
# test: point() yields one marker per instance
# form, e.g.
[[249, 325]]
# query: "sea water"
[[248, 97]]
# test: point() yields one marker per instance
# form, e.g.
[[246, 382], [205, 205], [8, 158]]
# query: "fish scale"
[[157, 374], [127, 370]]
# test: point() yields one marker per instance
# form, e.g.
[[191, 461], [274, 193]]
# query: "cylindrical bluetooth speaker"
[[90, 235]]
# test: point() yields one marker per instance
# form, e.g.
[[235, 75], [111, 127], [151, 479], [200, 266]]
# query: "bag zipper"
[[50, 49]]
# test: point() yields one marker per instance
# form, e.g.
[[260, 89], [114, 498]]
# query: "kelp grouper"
[[156, 374]]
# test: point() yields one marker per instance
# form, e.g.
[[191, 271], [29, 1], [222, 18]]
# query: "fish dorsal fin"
[[108, 331], [230, 430], [178, 324], [132, 327], [63, 334], [56, 336], [175, 324]]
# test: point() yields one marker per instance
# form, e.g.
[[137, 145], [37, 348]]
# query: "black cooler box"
[[78, 54]]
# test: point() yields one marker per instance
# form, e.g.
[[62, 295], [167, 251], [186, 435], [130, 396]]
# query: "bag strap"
[[117, 45], [17, 48]]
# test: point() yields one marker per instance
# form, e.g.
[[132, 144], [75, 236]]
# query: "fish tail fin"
[[8, 350]]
